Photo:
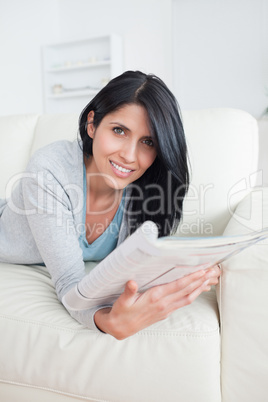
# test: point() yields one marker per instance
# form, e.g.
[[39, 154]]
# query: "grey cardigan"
[[42, 220]]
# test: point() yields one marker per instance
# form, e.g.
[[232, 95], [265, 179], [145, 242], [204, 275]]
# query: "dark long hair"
[[159, 193]]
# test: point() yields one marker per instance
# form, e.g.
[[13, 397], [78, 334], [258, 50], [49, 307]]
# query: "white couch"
[[213, 350]]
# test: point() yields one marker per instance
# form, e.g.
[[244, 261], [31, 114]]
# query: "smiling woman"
[[120, 145], [129, 166], [145, 115]]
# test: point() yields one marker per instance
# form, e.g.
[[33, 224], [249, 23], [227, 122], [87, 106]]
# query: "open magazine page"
[[151, 261]]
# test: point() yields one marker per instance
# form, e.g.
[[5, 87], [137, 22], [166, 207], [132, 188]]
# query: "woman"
[[77, 201]]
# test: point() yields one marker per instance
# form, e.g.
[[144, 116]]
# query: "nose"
[[128, 152]]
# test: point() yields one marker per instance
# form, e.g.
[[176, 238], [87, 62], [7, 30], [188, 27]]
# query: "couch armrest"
[[243, 304]]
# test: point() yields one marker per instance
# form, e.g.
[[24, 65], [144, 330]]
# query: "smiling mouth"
[[120, 168]]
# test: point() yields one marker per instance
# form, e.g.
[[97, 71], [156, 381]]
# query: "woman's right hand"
[[134, 311]]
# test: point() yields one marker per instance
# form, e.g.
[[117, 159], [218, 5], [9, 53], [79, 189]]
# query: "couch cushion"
[[16, 137], [243, 303], [223, 148], [45, 348], [54, 127]]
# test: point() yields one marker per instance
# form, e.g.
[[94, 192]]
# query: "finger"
[[182, 288], [131, 287], [213, 281], [130, 293], [193, 295], [215, 270], [182, 283], [177, 288], [188, 299], [212, 276], [181, 295]]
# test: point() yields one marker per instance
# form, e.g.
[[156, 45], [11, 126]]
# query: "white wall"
[[220, 54], [25, 25], [220, 46], [145, 26]]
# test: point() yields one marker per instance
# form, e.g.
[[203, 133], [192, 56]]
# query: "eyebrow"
[[121, 125]]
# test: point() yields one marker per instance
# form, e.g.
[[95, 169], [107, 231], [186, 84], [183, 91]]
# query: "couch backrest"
[[223, 149], [16, 139]]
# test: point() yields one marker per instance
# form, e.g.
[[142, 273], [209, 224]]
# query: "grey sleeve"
[[50, 217]]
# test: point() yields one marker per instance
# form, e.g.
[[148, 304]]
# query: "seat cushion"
[[44, 350]]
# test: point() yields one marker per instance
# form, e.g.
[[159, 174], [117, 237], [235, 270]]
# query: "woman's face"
[[123, 148]]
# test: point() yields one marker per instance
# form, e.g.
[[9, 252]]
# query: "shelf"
[[96, 38], [74, 71], [73, 94], [79, 66]]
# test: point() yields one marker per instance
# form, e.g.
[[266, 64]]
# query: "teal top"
[[107, 241]]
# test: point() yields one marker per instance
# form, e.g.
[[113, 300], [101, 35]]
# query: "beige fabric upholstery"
[[244, 307], [16, 138], [52, 351], [46, 355]]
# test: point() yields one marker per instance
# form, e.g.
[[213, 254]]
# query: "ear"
[[90, 125]]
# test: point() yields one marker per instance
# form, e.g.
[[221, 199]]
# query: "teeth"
[[120, 168]]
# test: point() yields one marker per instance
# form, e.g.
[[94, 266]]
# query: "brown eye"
[[148, 142]]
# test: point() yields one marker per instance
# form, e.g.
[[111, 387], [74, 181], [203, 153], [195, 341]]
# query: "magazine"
[[151, 261]]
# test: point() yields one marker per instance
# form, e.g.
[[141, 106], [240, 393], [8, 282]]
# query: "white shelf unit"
[[74, 72]]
